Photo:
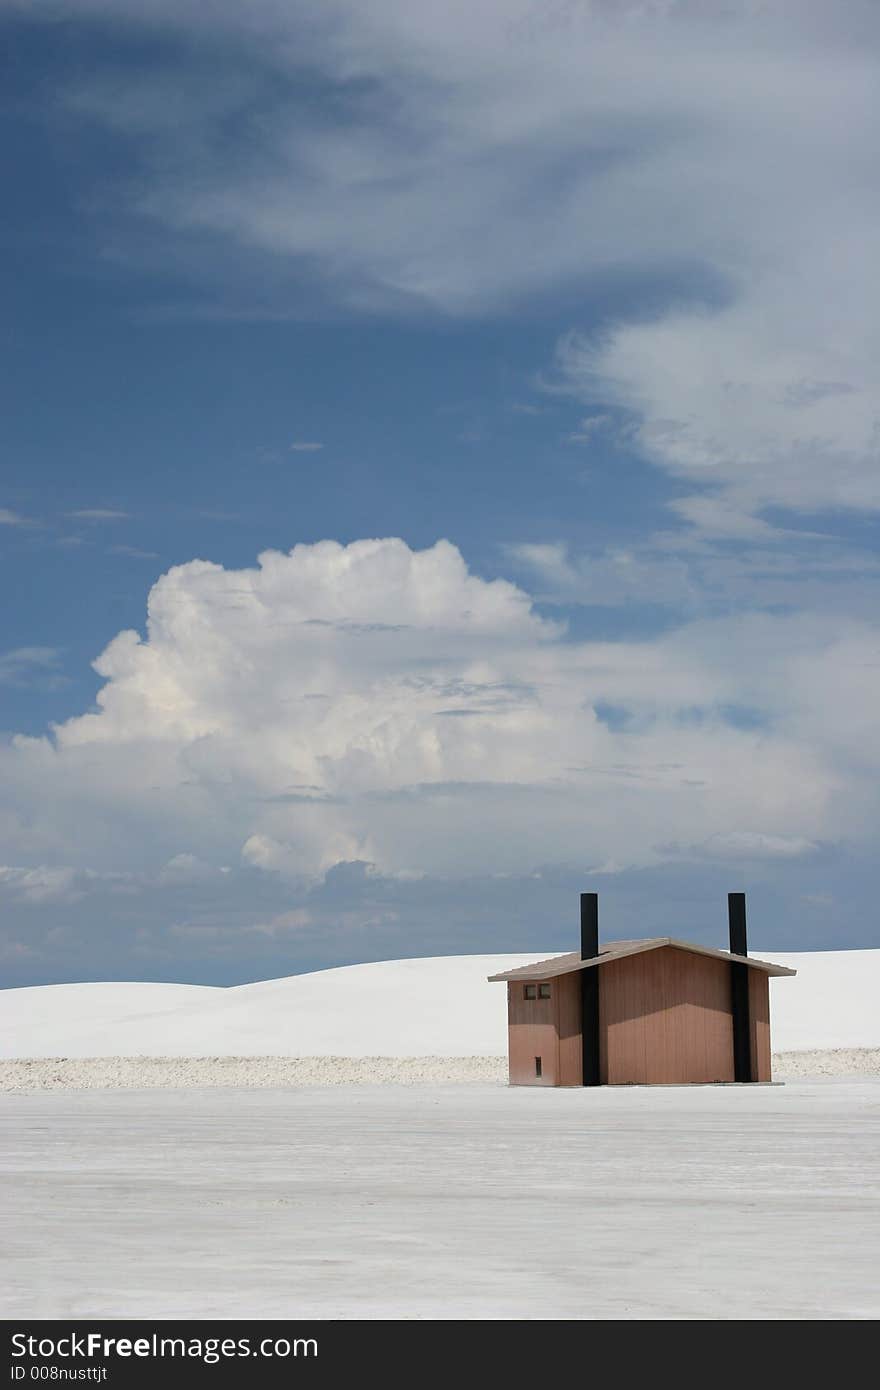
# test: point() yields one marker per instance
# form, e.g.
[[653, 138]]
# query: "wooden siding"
[[665, 1018], [759, 1022], [567, 989], [532, 1033]]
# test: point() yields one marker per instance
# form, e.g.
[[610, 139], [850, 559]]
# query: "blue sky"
[[485, 408]]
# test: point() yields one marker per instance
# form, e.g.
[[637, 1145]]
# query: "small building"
[[656, 1011]]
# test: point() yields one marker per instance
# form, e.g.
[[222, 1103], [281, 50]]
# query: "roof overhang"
[[619, 950]]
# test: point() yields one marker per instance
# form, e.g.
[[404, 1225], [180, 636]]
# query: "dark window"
[[537, 1066], [543, 991], [529, 992]]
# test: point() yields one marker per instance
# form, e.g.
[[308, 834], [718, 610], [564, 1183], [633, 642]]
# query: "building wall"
[[567, 989], [532, 1033], [665, 1017], [546, 1028], [759, 1021]]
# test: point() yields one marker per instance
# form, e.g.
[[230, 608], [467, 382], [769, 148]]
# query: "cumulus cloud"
[[378, 704]]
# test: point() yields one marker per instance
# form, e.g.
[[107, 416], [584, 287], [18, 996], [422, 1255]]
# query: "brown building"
[[654, 1012]]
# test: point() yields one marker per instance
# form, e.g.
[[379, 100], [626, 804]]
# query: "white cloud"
[[588, 428], [488, 149], [720, 517], [9, 518], [100, 514], [613, 576], [305, 446], [370, 702], [188, 868], [24, 666], [770, 402], [747, 844], [694, 576], [283, 923], [497, 150], [42, 883], [465, 159]]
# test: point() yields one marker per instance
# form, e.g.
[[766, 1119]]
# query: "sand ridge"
[[151, 1073]]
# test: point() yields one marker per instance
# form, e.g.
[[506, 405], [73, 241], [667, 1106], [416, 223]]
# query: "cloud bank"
[[370, 702]]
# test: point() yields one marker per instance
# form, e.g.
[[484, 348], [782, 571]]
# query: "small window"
[[543, 991], [537, 1066], [529, 992]]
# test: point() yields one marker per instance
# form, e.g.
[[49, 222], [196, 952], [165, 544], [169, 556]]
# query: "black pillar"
[[590, 988], [739, 988], [736, 917], [589, 925]]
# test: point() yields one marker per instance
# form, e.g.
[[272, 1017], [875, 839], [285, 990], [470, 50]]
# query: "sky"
[[439, 477]]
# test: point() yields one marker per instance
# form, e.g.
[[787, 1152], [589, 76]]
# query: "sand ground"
[[444, 1201]]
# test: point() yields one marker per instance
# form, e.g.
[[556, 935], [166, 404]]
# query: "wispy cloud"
[[134, 552], [770, 570], [31, 666], [10, 518], [744, 845], [305, 446], [100, 514], [616, 138], [588, 428]]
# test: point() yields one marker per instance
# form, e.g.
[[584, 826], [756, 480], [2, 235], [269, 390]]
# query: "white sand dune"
[[831, 1002], [437, 1007], [390, 1008]]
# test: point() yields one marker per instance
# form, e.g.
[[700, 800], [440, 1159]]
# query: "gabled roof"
[[617, 950]]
